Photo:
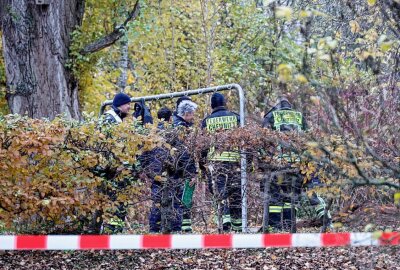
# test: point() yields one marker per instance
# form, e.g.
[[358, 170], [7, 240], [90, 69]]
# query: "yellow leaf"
[[331, 43], [131, 79], [371, 2], [385, 46], [305, 13], [354, 26], [397, 198], [316, 100], [321, 44], [283, 12], [119, 145], [325, 57], [285, 72], [301, 78], [312, 144], [337, 225]]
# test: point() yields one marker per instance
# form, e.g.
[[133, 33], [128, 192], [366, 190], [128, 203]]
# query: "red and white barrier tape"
[[192, 241]]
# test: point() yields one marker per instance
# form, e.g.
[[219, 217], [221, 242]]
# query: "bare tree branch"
[[396, 27], [114, 36]]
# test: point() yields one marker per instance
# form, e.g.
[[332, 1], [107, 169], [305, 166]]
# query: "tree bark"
[[36, 39], [123, 65]]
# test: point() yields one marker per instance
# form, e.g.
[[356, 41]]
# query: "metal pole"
[[199, 91], [267, 199], [227, 87], [243, 165]]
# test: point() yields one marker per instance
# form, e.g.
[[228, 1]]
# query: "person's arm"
[[203, 154], [305, 125], [238, 119], [268, 121], [203, 123]]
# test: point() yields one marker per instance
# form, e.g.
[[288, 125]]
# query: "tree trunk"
[[123, 65], [36, 39]]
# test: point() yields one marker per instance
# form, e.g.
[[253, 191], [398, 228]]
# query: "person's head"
[[137, 110], [186, 110], [164, 114], [217, 100], [122, 102], [283, 103], [179, 100]]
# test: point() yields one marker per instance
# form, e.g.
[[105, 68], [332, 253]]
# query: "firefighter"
[[223, 167], [282, 117]]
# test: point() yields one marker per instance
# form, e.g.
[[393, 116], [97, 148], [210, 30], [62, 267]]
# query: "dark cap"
[[121, 99], [217, 100]]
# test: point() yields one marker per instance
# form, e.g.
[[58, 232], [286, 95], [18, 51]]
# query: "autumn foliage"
[[51, 172]]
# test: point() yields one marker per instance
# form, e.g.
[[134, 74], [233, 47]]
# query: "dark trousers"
[[117, 222], [167, 211], [155, 211], [282, 188], [280, 203], [225, 181]]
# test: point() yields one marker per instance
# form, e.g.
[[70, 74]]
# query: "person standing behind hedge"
[[283, 118], [185, 168], [154, 164], [119, 111], [120, 108], [224, 181]]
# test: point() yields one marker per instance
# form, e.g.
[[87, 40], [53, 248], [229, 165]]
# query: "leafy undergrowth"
[[299, 258], [371, 217], [295, 258]]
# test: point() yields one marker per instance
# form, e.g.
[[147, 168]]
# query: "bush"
[[56, 177], [51, 172]]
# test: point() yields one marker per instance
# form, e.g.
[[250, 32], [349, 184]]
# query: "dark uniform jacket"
[[178, 121], [185, 164], [283, 118], [223, 119], [222, 113]]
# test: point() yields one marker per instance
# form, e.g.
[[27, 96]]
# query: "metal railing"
[[227, 87]]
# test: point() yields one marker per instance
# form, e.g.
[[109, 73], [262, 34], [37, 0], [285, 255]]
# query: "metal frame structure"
[[227, 87]]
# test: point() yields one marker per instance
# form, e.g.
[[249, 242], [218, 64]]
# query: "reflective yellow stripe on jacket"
[[287, 117], [222, 122]]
